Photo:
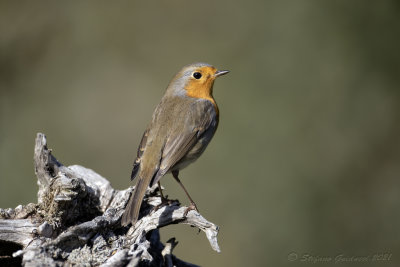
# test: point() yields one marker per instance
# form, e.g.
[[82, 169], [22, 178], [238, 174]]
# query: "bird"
[[181, 127]]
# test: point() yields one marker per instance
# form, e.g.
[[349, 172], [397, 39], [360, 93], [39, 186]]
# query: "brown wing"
[[173, 134], [141, 148], [181, 141]]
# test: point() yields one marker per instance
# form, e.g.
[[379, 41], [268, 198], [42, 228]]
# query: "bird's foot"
[[192, 206], [165, 202]]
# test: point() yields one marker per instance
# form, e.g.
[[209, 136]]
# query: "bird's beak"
[[220, 73]]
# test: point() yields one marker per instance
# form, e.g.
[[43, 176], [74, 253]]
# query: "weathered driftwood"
[[77, 222]]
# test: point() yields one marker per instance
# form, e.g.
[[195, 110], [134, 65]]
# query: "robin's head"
[[195, 80]]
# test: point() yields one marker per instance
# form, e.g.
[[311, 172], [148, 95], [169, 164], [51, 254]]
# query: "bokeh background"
[[306, 160]]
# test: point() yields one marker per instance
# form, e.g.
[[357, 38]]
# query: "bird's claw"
[[191, 207], [165, 202]]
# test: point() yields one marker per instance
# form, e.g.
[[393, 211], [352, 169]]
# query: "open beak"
[[221, 72]]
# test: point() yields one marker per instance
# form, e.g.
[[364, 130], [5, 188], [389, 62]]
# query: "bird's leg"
[[164, 200], [192, 204]]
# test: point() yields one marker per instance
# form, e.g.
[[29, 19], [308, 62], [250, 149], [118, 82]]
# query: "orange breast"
[[202, 90]]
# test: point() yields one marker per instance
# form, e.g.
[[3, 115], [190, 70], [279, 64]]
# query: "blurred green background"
[[306, 157]]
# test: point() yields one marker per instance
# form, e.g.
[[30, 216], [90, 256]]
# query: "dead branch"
[[77, 222]]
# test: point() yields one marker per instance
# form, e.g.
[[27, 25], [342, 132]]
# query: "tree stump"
[[77, 222]]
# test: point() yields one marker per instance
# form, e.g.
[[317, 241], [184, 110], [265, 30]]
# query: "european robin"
[[182, 125]]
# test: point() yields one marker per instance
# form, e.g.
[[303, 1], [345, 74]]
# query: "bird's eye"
[[197, 75]]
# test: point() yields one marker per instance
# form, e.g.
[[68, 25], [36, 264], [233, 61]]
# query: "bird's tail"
[[131, 213]]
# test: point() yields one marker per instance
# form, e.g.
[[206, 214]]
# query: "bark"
[[77, 222]]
